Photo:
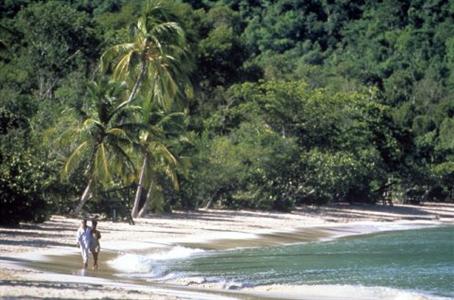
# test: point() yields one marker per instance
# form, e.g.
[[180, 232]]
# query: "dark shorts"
[[95, 248]]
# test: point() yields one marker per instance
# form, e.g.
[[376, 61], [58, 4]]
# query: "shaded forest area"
[[151, 106]]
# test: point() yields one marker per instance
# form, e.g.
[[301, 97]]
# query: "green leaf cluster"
[[259, 104]]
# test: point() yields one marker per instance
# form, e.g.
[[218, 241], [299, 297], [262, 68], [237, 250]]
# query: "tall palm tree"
[[159, 160], [152, 62], [157, 145], [156, 64], [102, 137]]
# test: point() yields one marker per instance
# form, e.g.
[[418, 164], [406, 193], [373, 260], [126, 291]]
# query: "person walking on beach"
[[95, 246], [83, 239]]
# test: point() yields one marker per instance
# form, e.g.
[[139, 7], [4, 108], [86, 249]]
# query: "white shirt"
[[83, 237]]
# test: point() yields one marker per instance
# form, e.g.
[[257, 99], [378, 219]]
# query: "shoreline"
[[211, 229]]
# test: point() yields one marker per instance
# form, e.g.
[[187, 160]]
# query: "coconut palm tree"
[[156, 64], [102, 137], [152, 62], [157, 144], [159, 161]]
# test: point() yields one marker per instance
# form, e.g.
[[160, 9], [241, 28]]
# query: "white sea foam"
[[151, 264], [130, 245], [343, 292]]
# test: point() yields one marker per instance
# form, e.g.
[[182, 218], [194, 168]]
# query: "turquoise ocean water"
[[414, 260]]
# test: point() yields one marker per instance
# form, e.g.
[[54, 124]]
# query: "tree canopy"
[[258, 104]]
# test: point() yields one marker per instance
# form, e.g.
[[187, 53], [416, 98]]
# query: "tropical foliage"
[[102, 138], [227, 103]]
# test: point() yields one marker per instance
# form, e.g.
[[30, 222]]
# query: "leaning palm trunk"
[[135, 208], [84, 197], [135, 88], [145, 205], [137, 84]]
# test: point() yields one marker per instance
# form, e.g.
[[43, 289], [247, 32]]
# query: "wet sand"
[[70, 264], [42, 259], [195, 289], [265, 239]]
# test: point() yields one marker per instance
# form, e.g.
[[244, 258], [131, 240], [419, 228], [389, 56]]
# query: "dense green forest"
[[153, 106]]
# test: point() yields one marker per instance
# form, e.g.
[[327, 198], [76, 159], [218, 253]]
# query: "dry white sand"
[[217, 228]]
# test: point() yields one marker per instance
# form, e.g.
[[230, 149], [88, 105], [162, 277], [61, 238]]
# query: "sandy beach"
[[42, 261]]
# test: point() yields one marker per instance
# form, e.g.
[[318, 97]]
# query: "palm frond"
[[74, 159], [142, 25], [123, 157], [112, 140], [101, 164], [132, 127], [113, 53], [123, 66], [69, 135], [88, 124], [117, 132], [168, 30], [166, 154]]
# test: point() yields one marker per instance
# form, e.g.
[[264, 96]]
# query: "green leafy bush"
[[252, 167], [23, 181]]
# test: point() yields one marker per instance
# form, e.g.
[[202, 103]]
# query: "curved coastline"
[[312, 228]]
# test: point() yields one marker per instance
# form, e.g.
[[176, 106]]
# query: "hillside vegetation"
[[155, 105]]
